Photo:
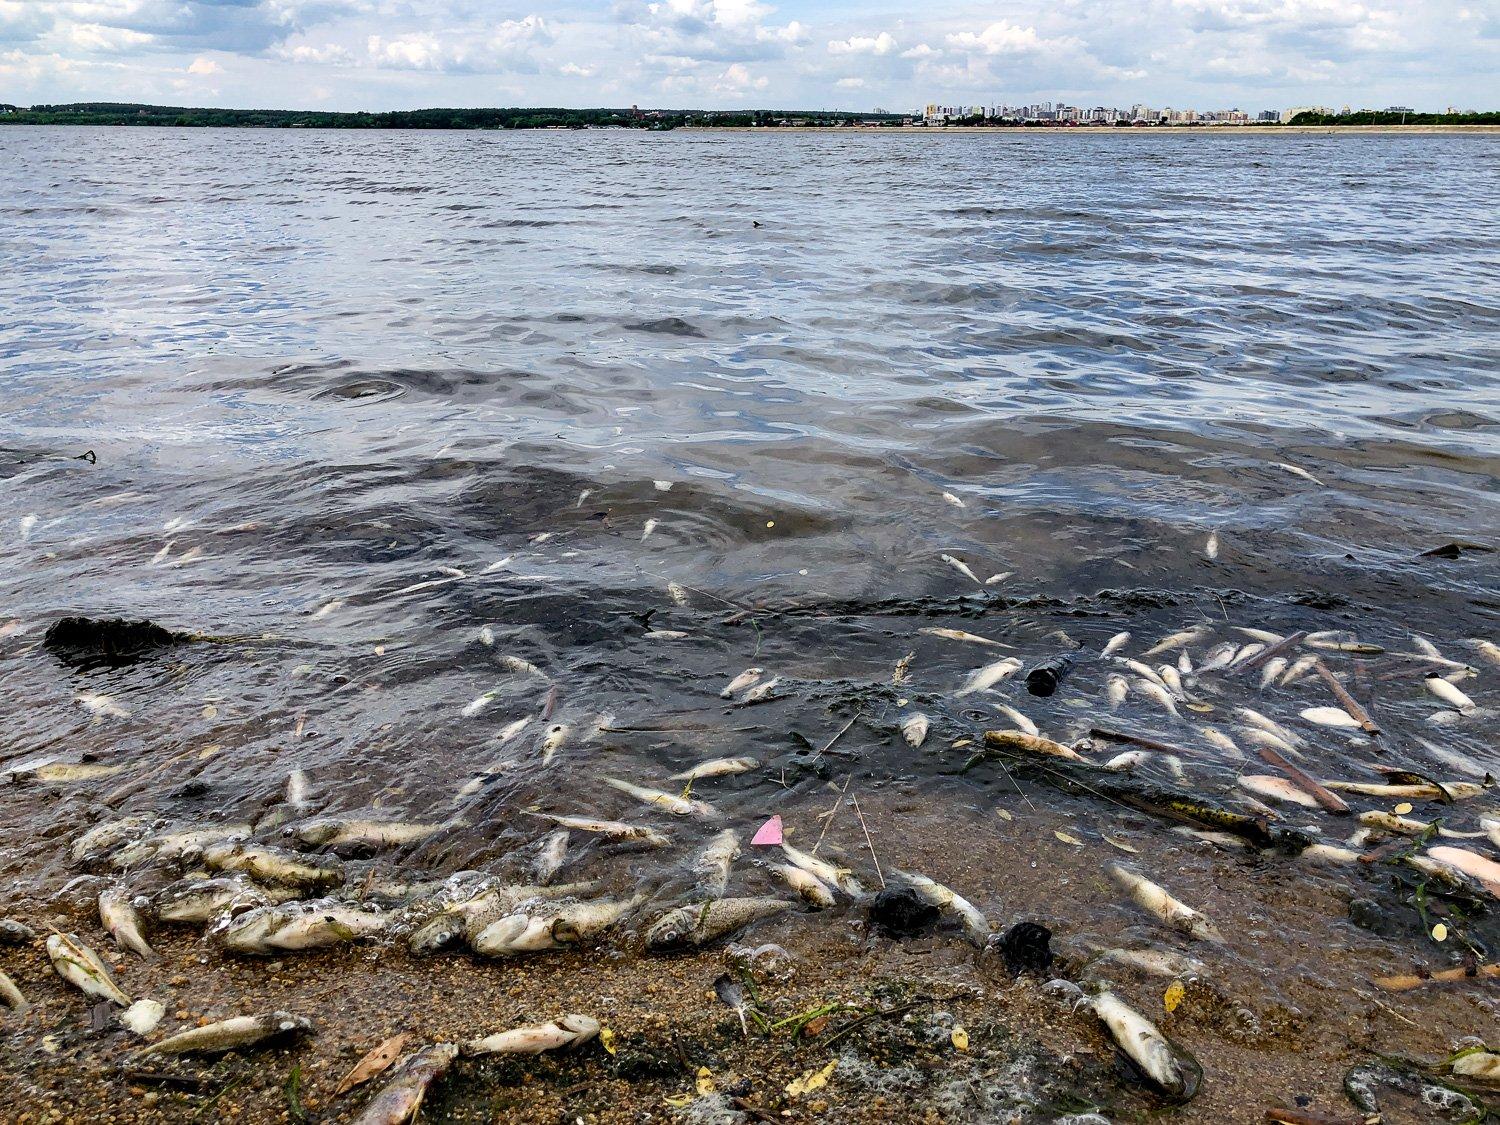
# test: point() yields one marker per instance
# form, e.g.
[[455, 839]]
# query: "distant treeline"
[[115, 113], [1369, 117]]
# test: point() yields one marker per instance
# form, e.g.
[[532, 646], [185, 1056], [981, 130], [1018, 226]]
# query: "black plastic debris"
[[93, 640], [900, 912], [1043, 678], [1027, 948]]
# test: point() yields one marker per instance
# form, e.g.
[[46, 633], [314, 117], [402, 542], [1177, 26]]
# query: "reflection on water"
[[389, 414]]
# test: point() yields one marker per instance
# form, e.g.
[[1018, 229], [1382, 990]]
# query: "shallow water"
[[318, 370]]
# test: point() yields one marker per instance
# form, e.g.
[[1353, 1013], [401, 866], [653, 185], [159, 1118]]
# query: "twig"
[[845, 1030], [828, 816], [868, 842], [835, 738], [1141, 740], [1350, 703], [1329, 800], [1272, 651]]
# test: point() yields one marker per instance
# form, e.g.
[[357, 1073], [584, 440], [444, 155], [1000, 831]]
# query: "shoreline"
[[904, 130]]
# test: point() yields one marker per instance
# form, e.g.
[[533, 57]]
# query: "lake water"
[[355, 397]]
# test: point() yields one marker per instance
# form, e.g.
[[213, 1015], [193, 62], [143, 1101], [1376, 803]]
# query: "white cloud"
[[882, 44], [204, 66], [997, 39]]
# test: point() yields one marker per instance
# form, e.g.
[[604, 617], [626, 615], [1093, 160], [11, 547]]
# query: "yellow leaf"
[[1440, 932], [1122, 845], [1067, 839], [705, 1081], [960, 1039], [1004, 814], [210, 711], [607, 1039], [1403, 808], [678, 1101], [1173, 996], [812, 1080]]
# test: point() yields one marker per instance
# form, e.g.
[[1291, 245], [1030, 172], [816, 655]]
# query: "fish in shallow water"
[[84, 969], [1116, 688], [718, 767], [1021, 721], [104, 838], [1449, 694], [1330, 717], [1030, 744], [812, 889], [1453, 790], [335, 832], [123, 921], [699, 923], [982, 679], [551, 856], [1178, 640], [1271, 726], [949, 901], [914, 729], [1274, 788], [401, 1098], [713, 861], [561, 1034], [202, 900], [97, 704], [669, 802], [1157, 962], [745, 679], [557, 927], [960, 635], [271, 865], [175, 845], [1409, 826], [1156, 901], [1479, 867], [1158, 695], [1115, 644], [614, 829], [553, 741], [1167, 1066], [825, 872], [1217, 657], [963, 568], [229, 1035]]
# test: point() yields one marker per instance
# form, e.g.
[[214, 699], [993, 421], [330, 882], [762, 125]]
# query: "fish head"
[[672, 930], [315, 833]]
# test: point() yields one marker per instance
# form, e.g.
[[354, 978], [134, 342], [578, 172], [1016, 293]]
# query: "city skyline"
[[726, 54]]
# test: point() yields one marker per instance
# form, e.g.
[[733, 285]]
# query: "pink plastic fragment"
[[769, 833]]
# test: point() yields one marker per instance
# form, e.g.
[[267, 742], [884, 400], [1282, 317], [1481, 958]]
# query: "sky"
[[722, 54]]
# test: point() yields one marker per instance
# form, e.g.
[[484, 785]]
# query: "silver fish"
[[561, 1034], [712, 863], [1178, 640], [963, 568], [717, 767], [809, 886], [1163, 1062], [976, 928], [1115, 644], [914, 729], [229, 1035], [614, 829], [744, 680], [271, 865], [840, 877], [401, 1098], [84, 969], [333, 832], [1156, 901], [677, 806], [123, 921], [312, 925], [961, 635], [106, 837], [553, 854], [982, 679], [698, 924]]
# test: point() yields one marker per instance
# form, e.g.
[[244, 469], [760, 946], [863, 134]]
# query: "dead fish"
[[1330, 717], [996, 579], [318, 614], [1021, 721], [10, 995], [664, 635], [1129, 760], [745, 679], [1221, 741], [1449, 694], [15, 933], [812, 889], [1178, 640], [1409, 826], [960, 635], [1275, 788], [106, 837], [1223, 840], [614, 829], [1158, 695], [1170, 676], [1116, 688], [1261, 722], [677, 593], [647, 528], [1299, 668], [1115, 644], [203, 900], [1272, 668], [555, 928], [1453, 790], [174, 845], [963, 568], [401, 1097], [553, 853], [1168, 1067], [230, 1034], [761, 691], [1211, 545], [519, 665], [713, 861], [1157, 962], [669, 802], [976, 928], [557, 1035], [1217, 657], [298, 926], [1478, 1065], [61, 771], [1244, 653], [1482, 868], [983, 679], [1184, 663], [1158, 902], [914, 729], [1491, 826], [554, 740], [717, 767], [84, 969], [698, 924], [1030, 744], [823, 871], [954, 500], [1144, 671], [335, 832], [510, 730], [299, 790], [1359, 648], [96, 704], [476, 706], [1328, 853], [1488, 649], [123, 922], [1297, 471], [271, 865]]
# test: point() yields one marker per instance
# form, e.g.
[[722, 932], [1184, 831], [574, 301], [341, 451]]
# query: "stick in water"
[[1350, 703]]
